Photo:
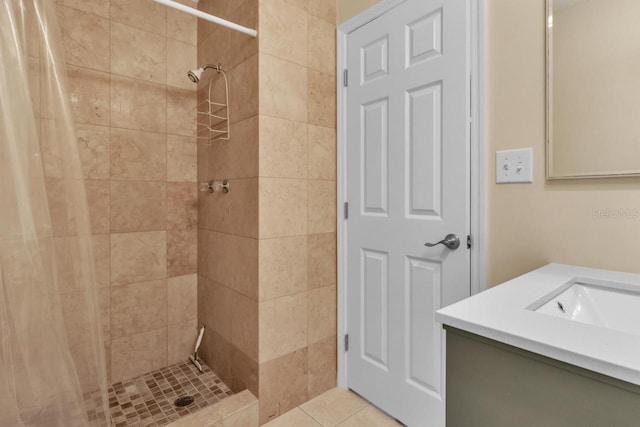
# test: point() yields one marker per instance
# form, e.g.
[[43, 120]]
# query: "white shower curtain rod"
[[208, 17]]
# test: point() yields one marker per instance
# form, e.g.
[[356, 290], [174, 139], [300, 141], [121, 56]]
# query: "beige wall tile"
[[283, 266], [283, 207], [233, 367], [321, 260], [322, 153], [322, 206], [203, 252], [78, 315], [136, 104], [238, 157], [60, 217], [302, 4], [283, 89], [325, 9], [283, 326], [182, 205], [138, 307], [104, 300], [144, 14], [102, 259], [181, 158], [181, 111], [283, 384], [97, 7], [64, 249], [137, 155], [283, 30], [235, 212], [182, 252], [138, 257], [181, 26], [214, 47], [138, 354], [94, 150], [203, 167], [283, 148], [182, 298], [99, 202], [322, 314], [322, 99], [322, 45], [214, 307], [85, 38], [137, 53], [181, 339], [233, 262], [89, 94], [49, 149], [242, 47], [333, 406], [294, 418], [138, 206], [181, 57], [323, 366], [243, 90], [244, 324]]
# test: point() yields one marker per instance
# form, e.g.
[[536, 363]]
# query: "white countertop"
[[501, 314]]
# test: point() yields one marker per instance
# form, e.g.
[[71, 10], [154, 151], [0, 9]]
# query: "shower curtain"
[[52, 364]]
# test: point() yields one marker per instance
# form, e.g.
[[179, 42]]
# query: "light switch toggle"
[[514, 166]]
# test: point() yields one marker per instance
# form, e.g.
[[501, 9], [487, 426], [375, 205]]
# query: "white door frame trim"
[[477, 166]]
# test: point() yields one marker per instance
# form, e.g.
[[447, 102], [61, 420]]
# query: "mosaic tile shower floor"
[[148, 400]]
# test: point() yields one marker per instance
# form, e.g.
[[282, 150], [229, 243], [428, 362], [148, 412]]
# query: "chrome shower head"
[[194, 75]]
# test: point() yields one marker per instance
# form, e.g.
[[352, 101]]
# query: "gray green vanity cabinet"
[[491, 384]]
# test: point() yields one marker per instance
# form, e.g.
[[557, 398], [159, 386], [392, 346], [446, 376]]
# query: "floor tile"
[[333, 406], [294, 418], [370, 417]]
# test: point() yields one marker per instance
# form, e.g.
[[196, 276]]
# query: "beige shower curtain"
[[52, 365]]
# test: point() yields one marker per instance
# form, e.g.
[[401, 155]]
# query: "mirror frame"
[[549, 111]]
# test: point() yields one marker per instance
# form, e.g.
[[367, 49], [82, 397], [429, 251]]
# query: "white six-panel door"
[[407, 184]]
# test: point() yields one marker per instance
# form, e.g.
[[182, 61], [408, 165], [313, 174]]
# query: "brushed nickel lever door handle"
[[451, 241]]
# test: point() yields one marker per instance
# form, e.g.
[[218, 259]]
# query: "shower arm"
[[217, 67]]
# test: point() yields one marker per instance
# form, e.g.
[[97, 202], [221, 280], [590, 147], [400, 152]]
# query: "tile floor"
[[148, 400], [336, 407]]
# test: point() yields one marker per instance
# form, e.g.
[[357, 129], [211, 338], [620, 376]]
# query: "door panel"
[[407, 183], [424, 137], [375, 119], [375, 291]]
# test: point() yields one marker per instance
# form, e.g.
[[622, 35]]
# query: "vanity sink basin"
[[604, 305]]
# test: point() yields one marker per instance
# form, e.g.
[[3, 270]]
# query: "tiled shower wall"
[[228, 226], [267, 285], [297, 221], [133, 106]]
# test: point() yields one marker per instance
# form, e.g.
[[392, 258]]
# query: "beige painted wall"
[[531, 225], [579, 222], [349, 8]]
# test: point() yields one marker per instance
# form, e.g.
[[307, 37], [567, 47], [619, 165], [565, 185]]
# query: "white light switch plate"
[[514, 166]]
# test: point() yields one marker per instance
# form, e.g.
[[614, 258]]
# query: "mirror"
[[593, 88]]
